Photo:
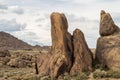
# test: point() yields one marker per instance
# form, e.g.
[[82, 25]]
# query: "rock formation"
[[23, 59], [20, 60], [107, 26], [108, 45], [61, 60], [4, 57], [68, 54], [82, 54]]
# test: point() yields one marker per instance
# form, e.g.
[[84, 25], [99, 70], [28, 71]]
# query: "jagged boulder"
[[82, 54], [108, 47], [61, 60], [107, 26]]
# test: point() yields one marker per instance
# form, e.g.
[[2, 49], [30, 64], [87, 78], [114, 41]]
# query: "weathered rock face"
[[108, 47], [108, 51], [107, 26], [60, 61], [44, 64], [82, 54]]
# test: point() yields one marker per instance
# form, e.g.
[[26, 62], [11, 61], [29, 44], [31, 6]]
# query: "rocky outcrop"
[[4, 53], [22, 60], [4, 57], [107, 26], [108, 45], [61, 60], [82, 54], [68, 54]]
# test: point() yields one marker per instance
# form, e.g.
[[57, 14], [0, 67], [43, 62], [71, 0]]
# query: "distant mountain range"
[[7, 41]]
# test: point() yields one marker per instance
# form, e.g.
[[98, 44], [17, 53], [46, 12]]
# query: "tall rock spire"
[[82, 54], [61, 45]]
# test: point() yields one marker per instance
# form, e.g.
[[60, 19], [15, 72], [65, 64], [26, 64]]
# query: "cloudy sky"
[[29, 19]]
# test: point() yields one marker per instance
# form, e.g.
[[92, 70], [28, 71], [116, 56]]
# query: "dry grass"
[[16, 73], [99, 74]]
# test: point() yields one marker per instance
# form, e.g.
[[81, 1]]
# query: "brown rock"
[[20, 60], [111, 57], [4, 53], [60, 61], [82, 54], [44, 64], [107, 26], [17, 62], [4, 57], [108, 47], [108, 51], [4, 60]]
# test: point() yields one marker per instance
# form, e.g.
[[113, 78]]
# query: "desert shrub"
[[107, 74], [81, 76], [99, 74], [46, 78], [67, 77], [30, 77], [113, 74]]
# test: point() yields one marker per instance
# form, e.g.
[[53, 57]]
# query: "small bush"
[[67, 77], [99, 74], [113, 74], [108, 74], [81, 76], [45, 78]]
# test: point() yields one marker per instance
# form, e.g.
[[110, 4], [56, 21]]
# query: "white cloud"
[[11, 9], [87, 25], [16, 9], [3, 6], [11, 26], [80, 1], [32, 38], [82, 14]]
